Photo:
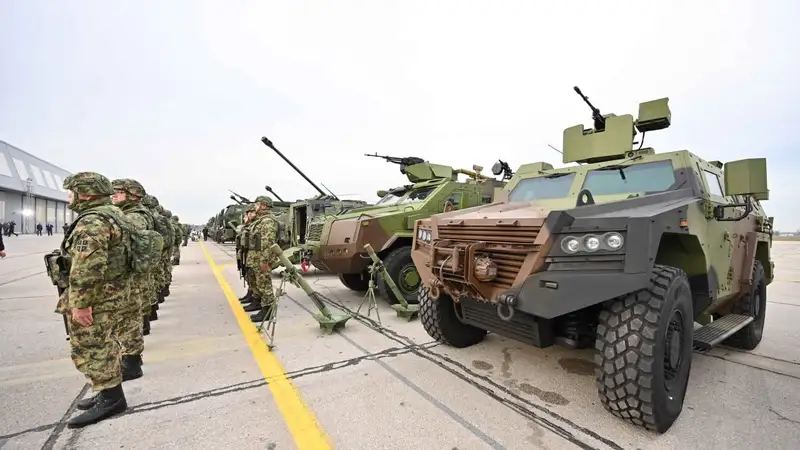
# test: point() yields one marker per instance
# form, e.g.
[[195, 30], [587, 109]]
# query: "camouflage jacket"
[[99, 275], [262, 233], [177, 233]]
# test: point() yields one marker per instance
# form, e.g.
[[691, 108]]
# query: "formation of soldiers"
[[254, 260], [113, 269]]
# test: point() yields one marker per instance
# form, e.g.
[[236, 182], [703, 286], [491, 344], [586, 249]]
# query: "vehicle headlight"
[[611, 241], [614, 241], [591, 243], [424, 235]]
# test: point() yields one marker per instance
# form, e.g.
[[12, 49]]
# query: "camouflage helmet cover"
[[168, 213], [175, 219], [250, 208], [264, 199], [129, 186], [160, 209], [150, 201], [88, 183]]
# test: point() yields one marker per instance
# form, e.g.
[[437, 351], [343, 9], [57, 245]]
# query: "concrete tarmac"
[[211, 383]]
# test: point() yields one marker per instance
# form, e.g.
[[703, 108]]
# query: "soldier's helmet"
[[168, 213], [160, 209], [175, 219], [250, 208], [150, 201], [129, 186], [264, 199], [88, 183]]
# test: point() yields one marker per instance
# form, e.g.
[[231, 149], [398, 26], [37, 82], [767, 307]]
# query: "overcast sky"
[[178, 93]]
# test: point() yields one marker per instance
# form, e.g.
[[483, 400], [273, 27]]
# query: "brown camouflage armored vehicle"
[[641, 255]]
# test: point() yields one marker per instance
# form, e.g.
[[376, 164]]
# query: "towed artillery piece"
[[643, 256]]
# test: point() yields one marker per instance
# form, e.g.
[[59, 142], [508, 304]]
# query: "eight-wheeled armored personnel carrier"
[[644, 256]]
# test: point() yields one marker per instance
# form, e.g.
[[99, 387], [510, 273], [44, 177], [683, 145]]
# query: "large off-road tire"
[[753, 304], [404, 274], [644, 351], [440, 319], [354, 281]]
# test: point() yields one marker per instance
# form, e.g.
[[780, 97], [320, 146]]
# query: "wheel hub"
[[673, 349]]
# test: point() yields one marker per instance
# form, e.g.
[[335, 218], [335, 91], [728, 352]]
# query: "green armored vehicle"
[[303, 213], [641, 255], [388, 225], [280, 210]]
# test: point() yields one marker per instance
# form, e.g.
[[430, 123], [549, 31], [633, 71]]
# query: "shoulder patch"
[[82, 245]]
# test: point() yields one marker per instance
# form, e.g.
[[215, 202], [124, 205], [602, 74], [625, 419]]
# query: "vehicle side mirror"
[[747, 177]]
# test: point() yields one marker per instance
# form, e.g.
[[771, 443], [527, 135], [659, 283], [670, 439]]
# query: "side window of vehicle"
[[486, 199], [713, 184], [453, 202]]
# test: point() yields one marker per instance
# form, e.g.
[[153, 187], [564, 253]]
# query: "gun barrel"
[[269, 144], [269, 189]]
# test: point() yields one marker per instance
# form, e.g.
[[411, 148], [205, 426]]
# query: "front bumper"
[[552, 294]]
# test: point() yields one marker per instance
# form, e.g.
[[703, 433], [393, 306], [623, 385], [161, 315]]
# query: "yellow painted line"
[[301, 421]]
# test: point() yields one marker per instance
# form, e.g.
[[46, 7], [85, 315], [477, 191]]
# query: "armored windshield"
[[413, 195], [637, 178], [551, 186]]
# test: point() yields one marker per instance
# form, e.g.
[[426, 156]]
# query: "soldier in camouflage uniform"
[[186, 232], [149, 309], [98, 285], [260, 260], [176, 248], [241, 255], [128, 196]]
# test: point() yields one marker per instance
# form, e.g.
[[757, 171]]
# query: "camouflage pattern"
[[142, 290], [261, 236], [176, 245], [186, 232], [337, 243], [94, 350], [98, 278], [163, 275], [624, 253]]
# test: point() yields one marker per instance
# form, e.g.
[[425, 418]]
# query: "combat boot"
[[165, 292], [160, 298], [247, 297], [255, 306], [87, 403], [153, 313], [145, 325], [260, 316], [107, 403], [131, 367]]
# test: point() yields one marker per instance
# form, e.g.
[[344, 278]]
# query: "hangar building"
[[31, 191]]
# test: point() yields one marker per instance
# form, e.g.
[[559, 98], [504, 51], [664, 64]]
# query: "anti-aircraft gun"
[[305, 217], [642, 256], [388, 226]]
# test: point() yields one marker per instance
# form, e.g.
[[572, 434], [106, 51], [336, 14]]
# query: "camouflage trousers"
[[128, 332], [262, 286], [95, 352], [166, 270], [176, 253], [146, 291]]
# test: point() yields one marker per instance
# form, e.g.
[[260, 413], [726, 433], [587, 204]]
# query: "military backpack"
[[163, 228], [143, 247]]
